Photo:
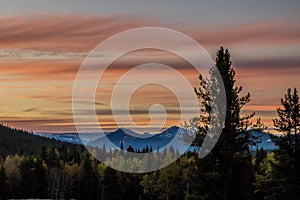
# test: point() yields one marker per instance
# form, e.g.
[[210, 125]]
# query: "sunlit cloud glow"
[[40, 56]]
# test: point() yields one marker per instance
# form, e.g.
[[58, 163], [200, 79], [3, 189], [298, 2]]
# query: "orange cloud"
[[40, 55]]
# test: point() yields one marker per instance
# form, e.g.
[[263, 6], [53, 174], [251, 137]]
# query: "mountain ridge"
[[159, 140]]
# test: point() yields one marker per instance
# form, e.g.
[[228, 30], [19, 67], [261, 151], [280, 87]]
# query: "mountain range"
[[139, 141]]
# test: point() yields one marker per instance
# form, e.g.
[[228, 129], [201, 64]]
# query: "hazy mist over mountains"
[[140, 141]]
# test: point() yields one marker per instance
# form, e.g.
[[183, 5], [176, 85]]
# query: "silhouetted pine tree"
[[121, 146], [111, 185], [33, 178], [89, 180], [260, 155], [229, 168], [130, 185], [43, 153], [2, 183], [286, 175], [130, 149], [41, 179], [27, 178]]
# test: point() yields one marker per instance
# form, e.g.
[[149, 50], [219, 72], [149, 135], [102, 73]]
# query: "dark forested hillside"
[[15, 141]]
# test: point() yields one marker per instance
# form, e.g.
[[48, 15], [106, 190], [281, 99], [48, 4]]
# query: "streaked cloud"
[[61, 32], [40, 56], [261, 33]]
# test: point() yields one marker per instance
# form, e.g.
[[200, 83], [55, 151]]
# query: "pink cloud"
[[52, 47]]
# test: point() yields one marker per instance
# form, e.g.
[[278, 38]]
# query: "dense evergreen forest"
[[35, 167]]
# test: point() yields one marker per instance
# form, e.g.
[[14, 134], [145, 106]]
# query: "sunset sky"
[[43, 43]]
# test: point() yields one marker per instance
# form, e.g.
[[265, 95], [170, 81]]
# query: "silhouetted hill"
[[15, 141]]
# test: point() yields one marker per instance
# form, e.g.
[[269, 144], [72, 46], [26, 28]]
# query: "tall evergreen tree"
[[33, 175], [89, 180], [43, 153], [41, 179], [260, 155], [111, 184], [130, 186], [2, 183], [230, 159], [286, 175], [27, 178]]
